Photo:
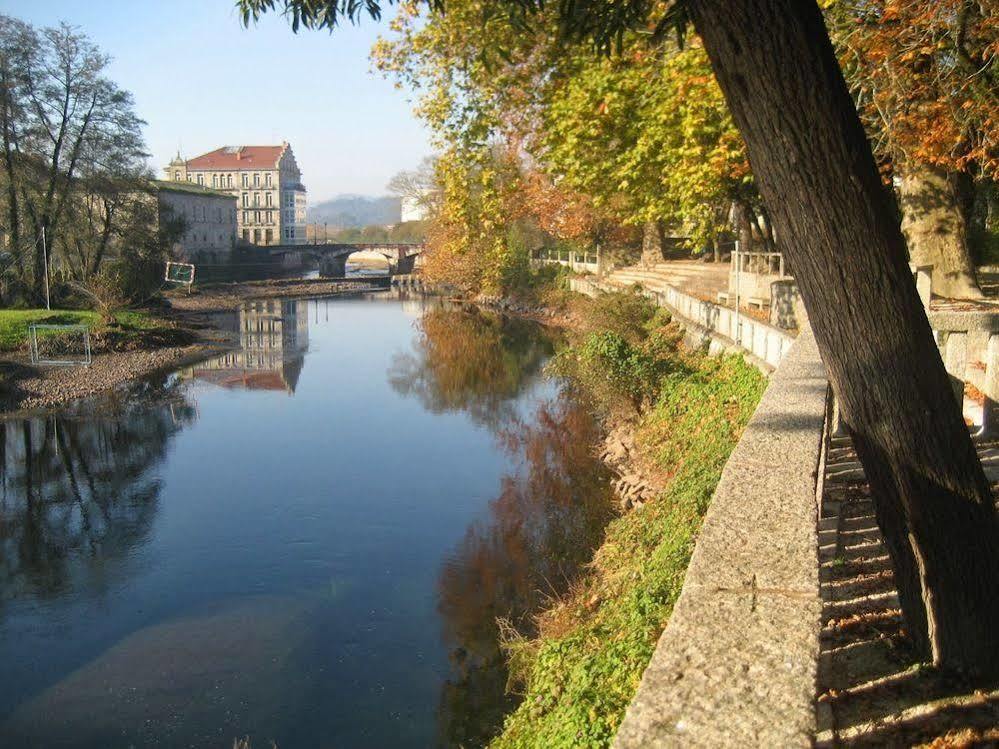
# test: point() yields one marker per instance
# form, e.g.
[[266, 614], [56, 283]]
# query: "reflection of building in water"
[[273, 337]]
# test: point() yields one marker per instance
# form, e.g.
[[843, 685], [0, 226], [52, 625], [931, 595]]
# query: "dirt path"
[[193, 335]]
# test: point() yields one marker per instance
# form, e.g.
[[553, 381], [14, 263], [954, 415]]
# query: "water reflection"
[[467, 360], [273, 339], [542, 527], [77, 490], [172, 583]]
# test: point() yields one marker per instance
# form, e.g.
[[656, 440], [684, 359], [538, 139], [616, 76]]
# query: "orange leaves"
[[924, 73]]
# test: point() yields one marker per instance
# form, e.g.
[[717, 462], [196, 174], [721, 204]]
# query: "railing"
[[588, 261], [771, 263]]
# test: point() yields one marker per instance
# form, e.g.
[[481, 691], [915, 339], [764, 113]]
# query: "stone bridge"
[[332, 258]]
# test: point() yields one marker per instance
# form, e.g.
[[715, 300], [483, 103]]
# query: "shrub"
[[626, 313]]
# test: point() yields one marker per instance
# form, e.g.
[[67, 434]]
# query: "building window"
[[270, 217], [256, 179], [267, 179], [246, 199], [291, 232], [256, 217], [215, 180], [229, 180], [201, 179], [269, 236], [176, 175], [246, 235], [268, 198], [246, 217]]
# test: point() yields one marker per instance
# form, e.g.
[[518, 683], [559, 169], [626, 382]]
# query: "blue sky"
[[202, 81]]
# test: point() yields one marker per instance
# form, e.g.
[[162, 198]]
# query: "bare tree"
[[62, 120], [418, 186]]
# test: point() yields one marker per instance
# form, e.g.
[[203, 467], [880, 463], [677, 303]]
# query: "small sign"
[[180, 273]]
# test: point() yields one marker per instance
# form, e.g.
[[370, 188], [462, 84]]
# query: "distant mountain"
[[348, 211]]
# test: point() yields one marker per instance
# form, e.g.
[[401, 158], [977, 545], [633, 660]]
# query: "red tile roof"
[[239, 157]]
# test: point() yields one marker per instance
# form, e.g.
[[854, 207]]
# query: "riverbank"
[[672, 417], [178, 332]]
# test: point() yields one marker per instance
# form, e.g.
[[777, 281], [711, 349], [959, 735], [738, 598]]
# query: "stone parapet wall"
[[764, 342], [737, 662]]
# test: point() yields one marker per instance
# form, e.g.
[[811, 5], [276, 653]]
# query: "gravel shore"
[[25, 387]]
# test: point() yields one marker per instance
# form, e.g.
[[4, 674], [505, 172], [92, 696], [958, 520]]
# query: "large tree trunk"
[[935, 230], [653, 243], [835, 221]]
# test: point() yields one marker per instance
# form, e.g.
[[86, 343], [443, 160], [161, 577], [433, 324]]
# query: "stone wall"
[[718, 327], [737, 662], [209, 219]]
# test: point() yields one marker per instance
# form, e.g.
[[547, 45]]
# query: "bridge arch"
[[333, 258]]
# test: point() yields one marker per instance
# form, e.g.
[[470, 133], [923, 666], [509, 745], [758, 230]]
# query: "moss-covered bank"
[[583, 669]]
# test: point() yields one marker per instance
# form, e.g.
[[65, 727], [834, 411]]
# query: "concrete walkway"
[[703, 280]]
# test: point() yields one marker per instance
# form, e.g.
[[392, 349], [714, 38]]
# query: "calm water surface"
[[308, 541]]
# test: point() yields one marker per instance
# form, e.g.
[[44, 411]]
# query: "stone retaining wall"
[[736, 664], [764, 342]]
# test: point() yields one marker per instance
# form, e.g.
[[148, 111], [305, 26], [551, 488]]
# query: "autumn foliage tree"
[[642, 137], [925, 76], [835, 221]]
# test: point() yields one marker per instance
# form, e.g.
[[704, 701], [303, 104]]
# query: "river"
[[307, 541]]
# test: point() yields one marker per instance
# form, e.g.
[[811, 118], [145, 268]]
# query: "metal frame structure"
[[36, 357]]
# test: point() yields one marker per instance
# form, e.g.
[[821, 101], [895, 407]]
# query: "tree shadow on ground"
[[873, 690]]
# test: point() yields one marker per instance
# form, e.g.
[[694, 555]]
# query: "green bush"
[[612, 372], [620, 367], [626, 313]]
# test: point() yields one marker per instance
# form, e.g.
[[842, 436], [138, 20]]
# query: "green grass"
[[14, 322], [581, 673]]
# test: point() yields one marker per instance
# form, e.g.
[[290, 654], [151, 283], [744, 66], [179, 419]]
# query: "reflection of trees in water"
[[79, 489], [468, 360], [542, 529]]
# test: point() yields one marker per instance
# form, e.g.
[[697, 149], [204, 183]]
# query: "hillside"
[[348, 211]]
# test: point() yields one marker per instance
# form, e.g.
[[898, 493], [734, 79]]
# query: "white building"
[[413, 209], [266, 182]]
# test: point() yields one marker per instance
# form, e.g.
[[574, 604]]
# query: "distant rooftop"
[[188, 187], [239, 158]]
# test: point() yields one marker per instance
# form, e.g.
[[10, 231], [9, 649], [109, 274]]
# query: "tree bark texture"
[[936, 231], [835, 221], [653, 243]]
